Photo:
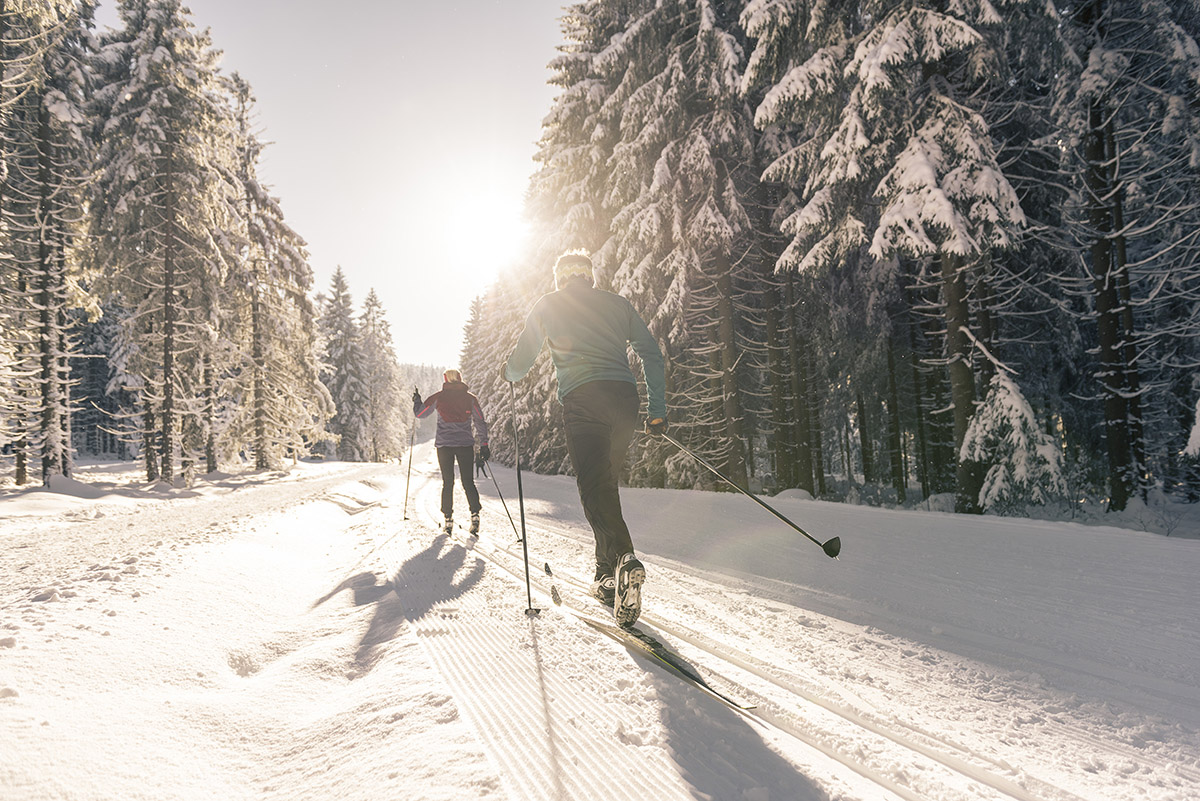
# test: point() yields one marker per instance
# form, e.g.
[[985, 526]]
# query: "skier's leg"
[[446, 463], [466, 461], [589, 413]]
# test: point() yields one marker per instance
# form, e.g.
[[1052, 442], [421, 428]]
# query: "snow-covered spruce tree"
[[163, 194], [532, 403], [29, 31], [387, 409], [1025, 463], [893, 157], [1128, 105], [567, 205], [286, 404], [344, 373], [48, 163], [682, 232]]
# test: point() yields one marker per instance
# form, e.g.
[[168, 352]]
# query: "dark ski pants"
[[466, 460], [600, 417]]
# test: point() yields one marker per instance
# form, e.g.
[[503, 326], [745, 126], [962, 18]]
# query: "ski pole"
[[492, 473], [411, 439], [530, 611], [832, 548]]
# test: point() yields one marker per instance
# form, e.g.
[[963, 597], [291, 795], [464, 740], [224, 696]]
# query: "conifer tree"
[[344, 371], [164, 190], [385, 400], [45, 155], [1128, 108], [273, 328], [893, 158]]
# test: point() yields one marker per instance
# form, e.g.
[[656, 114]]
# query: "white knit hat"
[[570, 265]]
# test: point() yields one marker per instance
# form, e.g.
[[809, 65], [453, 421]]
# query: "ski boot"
[[604, 588], [448, 526], [475, 523], [629, 576]]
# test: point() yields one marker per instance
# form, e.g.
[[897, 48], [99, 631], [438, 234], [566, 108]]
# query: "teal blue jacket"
[[589, 331]]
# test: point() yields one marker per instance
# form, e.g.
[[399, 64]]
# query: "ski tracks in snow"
[[565, 712], [802, 711], [562, 708]]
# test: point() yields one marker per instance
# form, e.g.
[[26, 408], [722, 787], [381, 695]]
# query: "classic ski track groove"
[[786, 722], [545, 750]]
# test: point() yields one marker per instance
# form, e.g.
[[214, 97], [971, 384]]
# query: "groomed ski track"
[[539, 693]]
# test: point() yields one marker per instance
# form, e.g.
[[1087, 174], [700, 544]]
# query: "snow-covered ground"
[[312, 635]]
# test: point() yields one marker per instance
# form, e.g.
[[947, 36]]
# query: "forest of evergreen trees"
[[154, 304], [891, 249]]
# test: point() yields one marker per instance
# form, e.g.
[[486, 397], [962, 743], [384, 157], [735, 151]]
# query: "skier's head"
[[451, 376], [572, 265]]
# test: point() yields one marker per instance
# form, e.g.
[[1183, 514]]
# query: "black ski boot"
[[604, 588], [629, 577]]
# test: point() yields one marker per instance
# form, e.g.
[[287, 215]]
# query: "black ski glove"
[[416, 397], [484, 453], [656, 427]]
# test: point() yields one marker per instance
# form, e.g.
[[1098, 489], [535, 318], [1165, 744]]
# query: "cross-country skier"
[[458, 410], [589, 331]]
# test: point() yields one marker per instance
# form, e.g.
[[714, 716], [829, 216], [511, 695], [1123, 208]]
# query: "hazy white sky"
[[402, 134]]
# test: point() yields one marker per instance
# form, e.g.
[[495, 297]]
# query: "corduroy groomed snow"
[[572, 264]]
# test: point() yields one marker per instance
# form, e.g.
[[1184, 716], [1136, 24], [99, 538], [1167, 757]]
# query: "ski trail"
[[943, 767], [545, 712], [566, 712], [550, 731]]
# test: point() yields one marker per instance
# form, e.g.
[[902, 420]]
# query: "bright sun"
[[489, 233]]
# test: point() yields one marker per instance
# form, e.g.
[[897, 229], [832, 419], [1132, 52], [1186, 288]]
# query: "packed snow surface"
[[313, 634]]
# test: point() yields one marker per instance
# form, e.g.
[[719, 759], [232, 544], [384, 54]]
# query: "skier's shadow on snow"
[[425, 580], [721, 754], [429, 578]]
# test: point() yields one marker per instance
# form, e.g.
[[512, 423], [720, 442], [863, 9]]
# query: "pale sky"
[[403, 135]]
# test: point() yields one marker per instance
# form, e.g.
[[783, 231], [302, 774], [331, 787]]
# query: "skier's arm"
[[423, 409], [653, 367], [480, 424], [529, 345]]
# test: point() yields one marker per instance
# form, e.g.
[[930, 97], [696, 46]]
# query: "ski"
[[638, 640]]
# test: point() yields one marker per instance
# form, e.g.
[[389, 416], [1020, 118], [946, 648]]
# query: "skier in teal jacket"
[[589, 332]]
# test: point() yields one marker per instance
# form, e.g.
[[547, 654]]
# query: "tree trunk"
[[814, 409], [782, 428], [894, 433], [1113, 386], [148, 430], [261, 460], [864, 439], [21, 443], [735, 462], [1132, 382], [801, 404], [962, 380], [170, 314], [49, 301], [919, 400]]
